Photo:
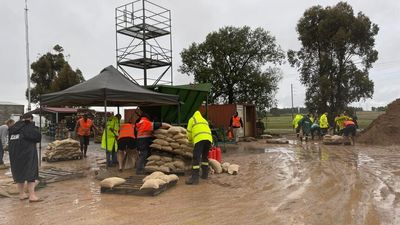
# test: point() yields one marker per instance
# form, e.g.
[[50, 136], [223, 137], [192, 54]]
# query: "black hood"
[[17, 127]]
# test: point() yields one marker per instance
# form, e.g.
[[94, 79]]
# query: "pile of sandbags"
[[334, 140], [64, 149], [157, 179], [217, 167], [173, 140], [166, 163], [277, 141]]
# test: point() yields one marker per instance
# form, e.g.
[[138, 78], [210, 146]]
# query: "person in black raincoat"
[[23, 137]]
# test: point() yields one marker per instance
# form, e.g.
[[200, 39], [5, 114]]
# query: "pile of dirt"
[[384, 130]]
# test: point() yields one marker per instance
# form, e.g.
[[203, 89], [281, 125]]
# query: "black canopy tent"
[[109, 88]]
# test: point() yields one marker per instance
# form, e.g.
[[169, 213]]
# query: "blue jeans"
[[1, 153]]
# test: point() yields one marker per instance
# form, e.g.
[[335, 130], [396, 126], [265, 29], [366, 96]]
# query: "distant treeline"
[[302, 110]]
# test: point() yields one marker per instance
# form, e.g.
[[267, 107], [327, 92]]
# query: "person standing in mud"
[[83, 127], [324, 124], [23, 137], [236, 123], [109, 140], [199, 134], [349, 131], [305, 125], [296, 126], [4, 139]]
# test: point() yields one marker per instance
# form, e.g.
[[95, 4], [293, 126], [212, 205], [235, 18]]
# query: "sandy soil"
[[297, 183]]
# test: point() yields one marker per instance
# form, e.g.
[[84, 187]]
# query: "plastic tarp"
[[111, 86]]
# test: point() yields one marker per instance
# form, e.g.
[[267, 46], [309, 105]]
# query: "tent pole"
[[40, 130], [117, 109], [179, 113], [105, 128]]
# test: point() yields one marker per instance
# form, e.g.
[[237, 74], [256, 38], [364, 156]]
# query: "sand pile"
[[384, 130]]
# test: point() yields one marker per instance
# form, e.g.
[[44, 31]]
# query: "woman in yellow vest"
[[199, 134]]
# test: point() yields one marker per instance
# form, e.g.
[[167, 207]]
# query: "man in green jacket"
[[109, 139], [199, 134], [323, 123]]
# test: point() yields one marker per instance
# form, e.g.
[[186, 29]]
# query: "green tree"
[[239, 63], [51, 73], [336, 54]]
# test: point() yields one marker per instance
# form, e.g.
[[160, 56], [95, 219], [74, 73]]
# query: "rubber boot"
[[204, 172], [194, 179]]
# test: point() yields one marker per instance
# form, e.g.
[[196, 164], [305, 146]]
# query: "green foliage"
[[52, 73], [239, 63], [336, 55]]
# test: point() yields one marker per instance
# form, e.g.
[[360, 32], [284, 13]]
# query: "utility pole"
[[27, 56], [291, 94]]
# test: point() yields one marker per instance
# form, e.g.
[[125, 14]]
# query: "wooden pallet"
[[132, 187], [44, 158], [55, 175], [177, 172]]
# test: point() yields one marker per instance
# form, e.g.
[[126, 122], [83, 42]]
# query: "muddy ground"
[[298, 183]]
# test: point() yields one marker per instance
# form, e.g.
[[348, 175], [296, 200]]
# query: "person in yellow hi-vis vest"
[[112, 137], [324, 124], [296, 126], [199, 133]]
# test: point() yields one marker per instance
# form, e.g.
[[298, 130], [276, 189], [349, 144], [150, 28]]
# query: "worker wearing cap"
[[199, 134]]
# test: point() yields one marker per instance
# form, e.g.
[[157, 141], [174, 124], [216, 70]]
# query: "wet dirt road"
[[277, 184]]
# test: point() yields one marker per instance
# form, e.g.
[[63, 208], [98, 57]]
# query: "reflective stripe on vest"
[[126, 130], [235, 121], [144, 128], [198, 123], [84, 127]]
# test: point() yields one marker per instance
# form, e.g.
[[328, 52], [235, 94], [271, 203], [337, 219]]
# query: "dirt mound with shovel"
[[384, 130]]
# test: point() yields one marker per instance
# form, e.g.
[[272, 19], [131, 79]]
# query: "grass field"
[[283, 123]]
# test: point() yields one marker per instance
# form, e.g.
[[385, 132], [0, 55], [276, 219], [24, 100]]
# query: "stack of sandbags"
[[64, 149], [157, 179], [173, 140], [166, 163], [334, 140]]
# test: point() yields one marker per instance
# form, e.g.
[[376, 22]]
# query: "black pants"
[[200, 151], [143, 147]]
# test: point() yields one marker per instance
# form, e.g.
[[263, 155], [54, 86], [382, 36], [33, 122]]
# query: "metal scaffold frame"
[[141, 26]]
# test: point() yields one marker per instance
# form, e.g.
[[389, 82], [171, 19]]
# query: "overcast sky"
[[86, 30]]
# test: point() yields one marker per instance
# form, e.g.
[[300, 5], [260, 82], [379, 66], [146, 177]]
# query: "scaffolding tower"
[[143, 41]]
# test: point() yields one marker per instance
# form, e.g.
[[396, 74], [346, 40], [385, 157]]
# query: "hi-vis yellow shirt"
[[198, 129]]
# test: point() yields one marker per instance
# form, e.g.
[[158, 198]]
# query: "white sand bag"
[[130, 160], [166, 126], [179, 164], [166, 158], [174, 130], [160, 136], [225, 167], [164, 169], [183, 130], [179, 136], [152, 167], [152, 183], [172, 177], [112, 182], [161, 142], [156, 146], [169, 140], [233, 169], [154, 158], [183, 141], [215, 165], [161, 131], [166, 148], [152, 163], [153, 175], [175, 145]]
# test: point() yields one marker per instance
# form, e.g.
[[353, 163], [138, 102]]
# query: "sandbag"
[[175, 145], [156, 146], [112, 182], [179, 164], [151, 163], [166, 125], [152, 183], [179, 136], [172, 177], [183, 130], [215, 165], [161, 131], [169, 139], [154, 158], [160, 136], [225, 166], [166, 148], [161, 142], [164, 169], [233, 169], [153, 175], [174, 130], [152, 168], [170, 165], [183, 141], [166, 158]]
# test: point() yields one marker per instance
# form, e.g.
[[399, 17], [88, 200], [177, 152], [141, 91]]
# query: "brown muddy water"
[[277, 184]]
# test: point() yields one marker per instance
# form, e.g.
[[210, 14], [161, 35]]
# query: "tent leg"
[[105, 129], [40, 130], [179, 114]]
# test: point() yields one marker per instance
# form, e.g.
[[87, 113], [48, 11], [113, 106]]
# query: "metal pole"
[[170, 47], [27, 56], [40, 130], [291, 94], [144, 44], [105, 128]]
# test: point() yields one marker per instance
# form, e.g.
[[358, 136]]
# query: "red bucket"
[[218, 154], [210, 154]]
